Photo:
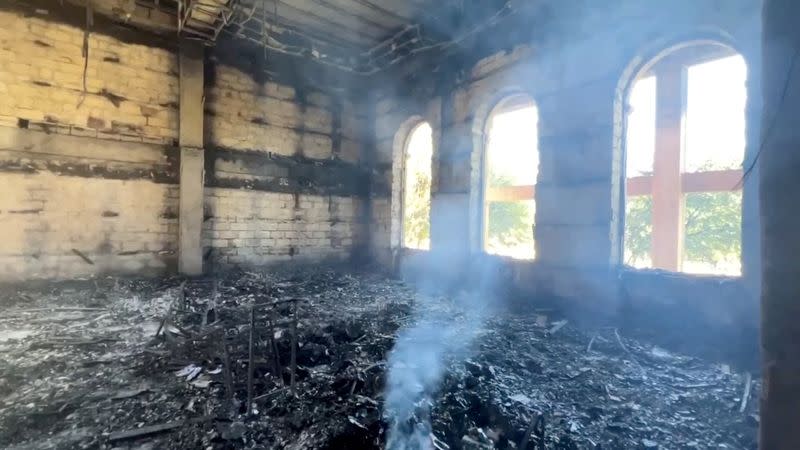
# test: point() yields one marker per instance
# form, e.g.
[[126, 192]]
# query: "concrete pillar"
[[450, 199], [780, 232], [751, 223], [450, 195], [574, 200], [190, 258]]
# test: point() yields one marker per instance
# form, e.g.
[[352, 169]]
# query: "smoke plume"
[[441, 334]]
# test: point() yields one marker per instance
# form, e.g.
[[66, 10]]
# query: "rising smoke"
[[441, 333]]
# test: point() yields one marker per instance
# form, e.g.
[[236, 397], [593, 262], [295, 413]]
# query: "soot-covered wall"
[[89, 173], [282, 168], [577, 69]]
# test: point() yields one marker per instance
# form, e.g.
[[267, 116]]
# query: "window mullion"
[[667, 196]]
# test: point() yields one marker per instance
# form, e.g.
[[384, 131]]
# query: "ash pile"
[[287, 363], [320, 359]]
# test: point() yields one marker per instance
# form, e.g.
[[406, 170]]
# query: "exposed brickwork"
[[251, 227], [380, 226], [269, 117], [126, 226], [65, 186], [131, 90], [118, 204], [257, 228]]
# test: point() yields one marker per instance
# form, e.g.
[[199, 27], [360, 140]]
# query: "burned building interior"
[[400, 224]]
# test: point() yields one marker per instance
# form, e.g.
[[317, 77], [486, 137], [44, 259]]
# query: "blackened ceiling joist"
[[356, 37]]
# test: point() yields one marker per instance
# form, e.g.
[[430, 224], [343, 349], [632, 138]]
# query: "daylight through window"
[[684, 149], [511, 169], [417, 188]]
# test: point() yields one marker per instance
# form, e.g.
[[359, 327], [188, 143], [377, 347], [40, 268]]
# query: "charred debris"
[[298, 360]]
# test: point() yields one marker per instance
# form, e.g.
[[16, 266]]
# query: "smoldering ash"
[[416, 366], [439, 336]]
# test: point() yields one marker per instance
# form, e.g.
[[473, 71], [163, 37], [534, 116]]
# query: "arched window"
[[511, 166], [684, 147], [417, 187]]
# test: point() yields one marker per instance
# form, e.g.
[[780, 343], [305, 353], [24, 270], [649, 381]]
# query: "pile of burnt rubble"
[[298, 360]]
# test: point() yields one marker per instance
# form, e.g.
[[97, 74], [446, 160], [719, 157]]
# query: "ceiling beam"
[[311, 29], [254, 32], [336, 26], [325, 3], [383, 11]]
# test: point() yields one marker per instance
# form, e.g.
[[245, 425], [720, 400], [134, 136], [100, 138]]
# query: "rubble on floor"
[[164, 363]]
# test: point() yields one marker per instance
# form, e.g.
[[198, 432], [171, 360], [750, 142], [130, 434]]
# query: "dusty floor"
[[81, 366]]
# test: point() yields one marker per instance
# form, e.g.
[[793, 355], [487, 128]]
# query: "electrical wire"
[[402, 45], [85, 52], [765, 136], [369, 60]]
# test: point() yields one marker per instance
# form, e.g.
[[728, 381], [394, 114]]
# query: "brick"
[[62, 66], [72, 208], [72, 218]]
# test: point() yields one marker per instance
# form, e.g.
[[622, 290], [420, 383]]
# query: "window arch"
[[510, 170], [416, 187], [684, 147]]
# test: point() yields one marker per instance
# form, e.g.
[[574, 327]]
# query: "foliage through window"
[[684, 149], [511, 166], [417, 188]]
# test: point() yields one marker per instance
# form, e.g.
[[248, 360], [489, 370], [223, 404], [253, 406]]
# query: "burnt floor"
[[136, 364]]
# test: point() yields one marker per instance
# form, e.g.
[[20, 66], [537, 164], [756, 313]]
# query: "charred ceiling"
[[362, 37]]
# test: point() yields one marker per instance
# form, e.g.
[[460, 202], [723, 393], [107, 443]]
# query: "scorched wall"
[[284, 170], [576, 67], [84, 169], [89, 171]]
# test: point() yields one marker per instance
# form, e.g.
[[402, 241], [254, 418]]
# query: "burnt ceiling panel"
[[356, 36]]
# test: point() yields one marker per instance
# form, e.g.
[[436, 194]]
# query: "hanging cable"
[[264, 37], [85, 51], [768, 131], [399, 47]]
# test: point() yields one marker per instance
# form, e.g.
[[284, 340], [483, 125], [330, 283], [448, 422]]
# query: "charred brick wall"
[[260, 228], [283, 176], [85, 168], [92, 168], [130, 91]]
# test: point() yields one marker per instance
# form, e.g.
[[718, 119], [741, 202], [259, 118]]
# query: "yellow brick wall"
[[46, 209], [272, 117], [130, 225], [123, 226], [41, 80], [257, 228]]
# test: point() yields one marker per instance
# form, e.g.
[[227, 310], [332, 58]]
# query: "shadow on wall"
[[706, 316]]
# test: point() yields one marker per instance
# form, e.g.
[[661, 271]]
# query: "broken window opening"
[[417, 188], [685, 142], [511, 163]]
